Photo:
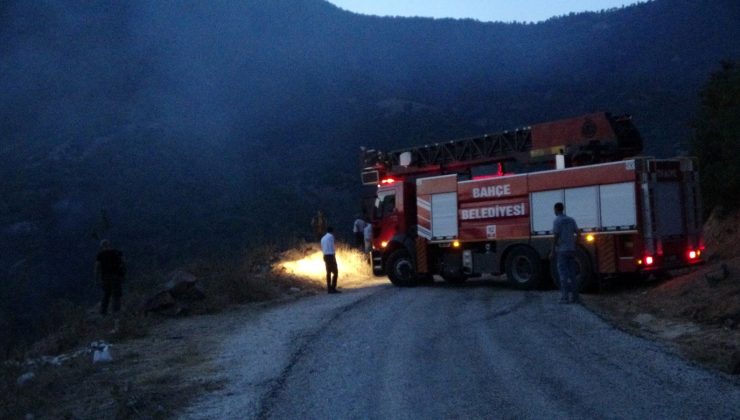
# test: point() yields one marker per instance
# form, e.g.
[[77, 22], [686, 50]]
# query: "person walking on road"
[[330, 260], [110, 270], [358, 228], [318, 223], [565, 231]]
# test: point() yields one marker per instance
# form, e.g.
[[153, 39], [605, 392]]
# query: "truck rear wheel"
[[400, 269], [584, 272], [524, 268]]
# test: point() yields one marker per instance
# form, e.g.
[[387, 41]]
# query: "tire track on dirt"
[[267, 402]]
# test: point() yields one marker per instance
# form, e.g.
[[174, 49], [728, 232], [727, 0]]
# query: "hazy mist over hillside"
[[194, 129]]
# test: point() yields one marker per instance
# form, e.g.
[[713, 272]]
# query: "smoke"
[[145, 108], [75, 69]]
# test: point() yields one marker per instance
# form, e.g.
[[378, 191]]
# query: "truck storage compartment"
[[444, 215]]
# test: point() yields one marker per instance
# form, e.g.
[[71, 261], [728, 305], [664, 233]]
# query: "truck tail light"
[[693, 255], [647, 261], [456, 244], [384, 244]]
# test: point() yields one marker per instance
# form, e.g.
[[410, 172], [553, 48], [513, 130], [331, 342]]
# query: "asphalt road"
[[477, 351]]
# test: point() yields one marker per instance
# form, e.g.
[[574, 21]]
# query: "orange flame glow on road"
[[353, 265]]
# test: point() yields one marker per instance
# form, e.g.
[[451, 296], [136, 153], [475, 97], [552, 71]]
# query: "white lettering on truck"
[[492, 191], [493, 212]]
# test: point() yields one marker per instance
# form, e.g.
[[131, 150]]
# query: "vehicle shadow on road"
[[496, 282]]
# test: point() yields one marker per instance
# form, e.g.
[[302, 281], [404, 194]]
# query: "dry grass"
[[252, 279], [306, 263], [721, 233], [151, 376], [697, 311]]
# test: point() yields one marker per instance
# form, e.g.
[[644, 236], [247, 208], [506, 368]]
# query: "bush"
[[716, 139]]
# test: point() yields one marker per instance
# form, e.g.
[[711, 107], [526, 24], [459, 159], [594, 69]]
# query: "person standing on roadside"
[[330, 261], [368, 236], [318, 223], [110, 271], [565, 236], [358, 228]]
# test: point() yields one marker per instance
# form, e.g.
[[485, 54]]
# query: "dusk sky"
[[483, 10]]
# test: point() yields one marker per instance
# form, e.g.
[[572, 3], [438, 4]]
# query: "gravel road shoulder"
[[254, 358]]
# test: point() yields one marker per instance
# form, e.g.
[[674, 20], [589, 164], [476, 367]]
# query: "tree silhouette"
[[716, 141]]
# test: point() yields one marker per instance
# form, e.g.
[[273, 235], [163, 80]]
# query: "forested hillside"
[[196, 129]]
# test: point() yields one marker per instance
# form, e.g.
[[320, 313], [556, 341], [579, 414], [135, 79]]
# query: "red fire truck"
[[484, 205]]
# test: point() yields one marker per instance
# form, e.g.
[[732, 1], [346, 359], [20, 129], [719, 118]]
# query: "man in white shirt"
[[330, 260], [358, 229]]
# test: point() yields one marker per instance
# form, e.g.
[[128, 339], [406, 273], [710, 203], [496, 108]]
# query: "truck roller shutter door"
[[668, 212], [542, 210], [582, 204], [444, 215], [618, 208]]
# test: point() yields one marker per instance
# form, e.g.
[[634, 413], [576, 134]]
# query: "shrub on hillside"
[[716, 139]]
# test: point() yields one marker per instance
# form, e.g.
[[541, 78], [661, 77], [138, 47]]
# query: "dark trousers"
[[111, 288], [332, 272], [359, 240], [566, 261]]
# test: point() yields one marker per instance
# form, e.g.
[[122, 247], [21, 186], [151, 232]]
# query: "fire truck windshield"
[[385, 204]]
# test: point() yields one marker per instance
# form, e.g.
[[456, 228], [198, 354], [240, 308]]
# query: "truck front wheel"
[[524, 268], [400, 268]]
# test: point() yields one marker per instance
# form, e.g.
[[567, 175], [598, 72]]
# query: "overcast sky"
[[484, 10]]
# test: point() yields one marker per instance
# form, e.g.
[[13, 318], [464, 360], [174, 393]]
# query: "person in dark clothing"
[[318, 223], [110, 270], [565, 237], [358, 228]]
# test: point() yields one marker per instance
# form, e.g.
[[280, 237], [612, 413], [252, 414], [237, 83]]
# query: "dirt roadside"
[[157, 367], [696, 317], [696, 313], [149, 377]]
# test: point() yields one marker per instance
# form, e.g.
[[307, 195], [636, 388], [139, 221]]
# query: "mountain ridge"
[[200, 130]]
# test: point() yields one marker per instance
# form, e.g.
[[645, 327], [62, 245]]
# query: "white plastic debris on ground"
[[93, 348], [102, 354]]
